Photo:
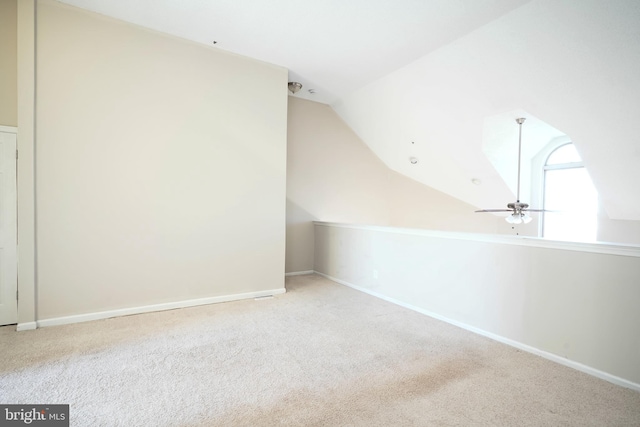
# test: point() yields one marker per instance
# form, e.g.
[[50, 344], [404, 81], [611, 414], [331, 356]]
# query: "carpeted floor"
[[320, 355]]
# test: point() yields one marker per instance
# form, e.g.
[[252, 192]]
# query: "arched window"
[[570, 194]]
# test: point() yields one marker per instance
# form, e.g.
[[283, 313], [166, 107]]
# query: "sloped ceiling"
[[433, 79], [331, 46], [572, 65]]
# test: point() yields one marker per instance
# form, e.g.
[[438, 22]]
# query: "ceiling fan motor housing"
[[517, 206]]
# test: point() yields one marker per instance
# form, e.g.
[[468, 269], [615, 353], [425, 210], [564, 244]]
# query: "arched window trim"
[[567, 165]]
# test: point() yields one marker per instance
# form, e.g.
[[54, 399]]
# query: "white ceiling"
[[444, 74], [331, 46]]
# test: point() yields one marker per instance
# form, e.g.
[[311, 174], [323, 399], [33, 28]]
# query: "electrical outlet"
[[375, 274]]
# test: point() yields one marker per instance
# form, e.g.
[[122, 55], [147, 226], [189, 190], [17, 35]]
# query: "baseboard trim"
[[524, 347], [299, 273], [65, 320], [26, 326]]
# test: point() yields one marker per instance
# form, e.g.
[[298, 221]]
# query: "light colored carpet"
[[320, 355]]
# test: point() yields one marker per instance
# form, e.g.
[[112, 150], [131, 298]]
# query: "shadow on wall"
[[300, 241]]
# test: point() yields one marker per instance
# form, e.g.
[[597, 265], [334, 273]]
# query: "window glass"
[[564, 154], [572, 195]]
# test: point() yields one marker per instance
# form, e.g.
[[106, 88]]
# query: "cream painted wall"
[[161, 167], [416, 205], [616, 230], [333, 176], [579, 306], [9, 62]]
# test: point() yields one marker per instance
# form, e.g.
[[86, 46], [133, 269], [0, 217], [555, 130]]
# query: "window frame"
[[558, 166], [537, 175]]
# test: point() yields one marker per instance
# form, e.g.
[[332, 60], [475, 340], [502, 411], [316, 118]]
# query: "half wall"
[[573, 303]]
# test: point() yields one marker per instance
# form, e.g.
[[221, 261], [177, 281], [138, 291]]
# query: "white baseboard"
[[148, 308], [549, 356], [26, 326], [299, 273]]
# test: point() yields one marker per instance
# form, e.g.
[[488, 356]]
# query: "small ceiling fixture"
[[294, 87], [413, 160], [519, 211]]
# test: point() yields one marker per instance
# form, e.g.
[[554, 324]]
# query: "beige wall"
[[618, 231], [578, 305], [333, 176], [415, 205], [8, 63], [160, 167]]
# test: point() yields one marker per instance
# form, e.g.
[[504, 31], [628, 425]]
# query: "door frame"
[[14, 131], [26, 179]]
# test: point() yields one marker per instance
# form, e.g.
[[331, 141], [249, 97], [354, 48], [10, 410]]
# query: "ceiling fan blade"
[[495, 210]]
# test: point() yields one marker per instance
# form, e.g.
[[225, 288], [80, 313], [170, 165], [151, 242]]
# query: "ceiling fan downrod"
[[520, 121], [519, 211]]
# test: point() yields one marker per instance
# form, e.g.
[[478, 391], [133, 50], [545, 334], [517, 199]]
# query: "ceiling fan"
[[519, 210]]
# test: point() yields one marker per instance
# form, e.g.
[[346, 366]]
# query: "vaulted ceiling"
[[443, 80]]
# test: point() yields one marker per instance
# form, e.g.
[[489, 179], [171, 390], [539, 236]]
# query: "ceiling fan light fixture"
[[514, 219], [519, 218]]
